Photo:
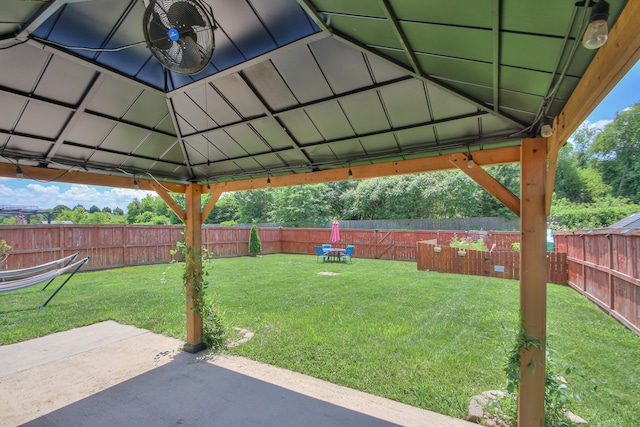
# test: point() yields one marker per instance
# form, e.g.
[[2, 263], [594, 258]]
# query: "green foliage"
[[254, 205], [255, 245], [5, 250], [557, 397], [603, 212], [301, 205], [617, 150], [515, 246], [225, 210], [468, 243], [215, 332]]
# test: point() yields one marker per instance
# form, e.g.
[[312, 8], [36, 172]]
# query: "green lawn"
[[427, 339]]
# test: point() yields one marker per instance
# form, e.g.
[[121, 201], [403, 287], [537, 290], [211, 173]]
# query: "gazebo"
[[309, 91]]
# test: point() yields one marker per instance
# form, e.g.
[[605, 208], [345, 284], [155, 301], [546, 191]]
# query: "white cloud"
[[45, 196], [600, 124]]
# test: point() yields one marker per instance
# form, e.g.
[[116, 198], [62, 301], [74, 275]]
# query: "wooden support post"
[[533, 279], [193, 260]]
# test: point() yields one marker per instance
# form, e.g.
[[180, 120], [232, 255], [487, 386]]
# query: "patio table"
[[334, 253]]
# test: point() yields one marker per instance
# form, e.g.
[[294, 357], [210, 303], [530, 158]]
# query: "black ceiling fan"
[[179, 34]]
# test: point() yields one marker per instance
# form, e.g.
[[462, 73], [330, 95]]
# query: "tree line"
[[597, 183]]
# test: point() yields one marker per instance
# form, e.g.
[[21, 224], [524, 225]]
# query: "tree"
[[568, 183], [254, 205], [300, 205], [581, 142], [118, 211], [255, 245], [133, 210], [107, 210], [59, 209], [617, 150], [94, 209], [225, 210]]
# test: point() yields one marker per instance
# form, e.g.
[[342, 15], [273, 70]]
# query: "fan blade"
[[185, 15], [192, 57], [158, 33]]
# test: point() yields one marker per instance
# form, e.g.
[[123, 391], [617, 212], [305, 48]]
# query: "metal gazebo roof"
[[293, 86]]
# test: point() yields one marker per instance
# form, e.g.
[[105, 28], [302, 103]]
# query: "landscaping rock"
[[576, 419], [477, 413]]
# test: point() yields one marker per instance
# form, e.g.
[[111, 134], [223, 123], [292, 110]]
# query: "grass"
[[426, 339]]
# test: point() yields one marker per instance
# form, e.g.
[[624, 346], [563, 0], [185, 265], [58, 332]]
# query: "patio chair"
[[326, 246], [320, 253], [347, 253]]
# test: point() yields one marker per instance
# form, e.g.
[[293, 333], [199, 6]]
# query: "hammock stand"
[[25, 282], [29, 271]]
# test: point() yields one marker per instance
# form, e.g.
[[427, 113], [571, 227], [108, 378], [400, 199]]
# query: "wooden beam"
[[610, 64], [215, 195], [73, 177], [497, 156], [533, 280], [173, 205], [486, 181], [193, 260]]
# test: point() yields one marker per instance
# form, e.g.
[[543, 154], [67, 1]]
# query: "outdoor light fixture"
[[19, 173], [470, 162], [268, 181], [135, 184], [597, 32], [350, 173], [545, 127]]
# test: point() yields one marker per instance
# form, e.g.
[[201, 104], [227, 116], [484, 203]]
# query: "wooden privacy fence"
[[502, 264], [119, 245], [603, 266]]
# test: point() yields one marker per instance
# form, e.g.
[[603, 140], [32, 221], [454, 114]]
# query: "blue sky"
[[46, 195]]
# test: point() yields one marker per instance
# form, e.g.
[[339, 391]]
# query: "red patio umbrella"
[[335, 231]]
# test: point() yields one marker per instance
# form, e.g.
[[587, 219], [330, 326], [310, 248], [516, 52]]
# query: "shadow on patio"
[[109, 374]]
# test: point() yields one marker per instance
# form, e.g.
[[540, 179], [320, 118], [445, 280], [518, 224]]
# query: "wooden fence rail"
[[603, 266]]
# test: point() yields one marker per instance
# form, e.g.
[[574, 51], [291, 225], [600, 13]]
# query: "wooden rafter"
[[88, 178], [215, 192], [486, 181], [164, 195], [497, 156]]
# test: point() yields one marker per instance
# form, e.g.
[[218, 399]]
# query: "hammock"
[[25, 282], [23, 272]]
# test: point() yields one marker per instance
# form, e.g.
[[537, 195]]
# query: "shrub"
[[254, 241], [5, 249]]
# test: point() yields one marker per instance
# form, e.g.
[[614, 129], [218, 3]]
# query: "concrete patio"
[[109, 374]]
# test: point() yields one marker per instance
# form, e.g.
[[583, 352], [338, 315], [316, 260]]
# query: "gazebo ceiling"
[[293, 86]]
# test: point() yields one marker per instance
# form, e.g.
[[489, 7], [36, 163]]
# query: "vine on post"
[[215, 332], [557, 396]]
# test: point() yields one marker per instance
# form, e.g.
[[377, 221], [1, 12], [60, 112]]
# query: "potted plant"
[[462, 252], [437, 249]]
